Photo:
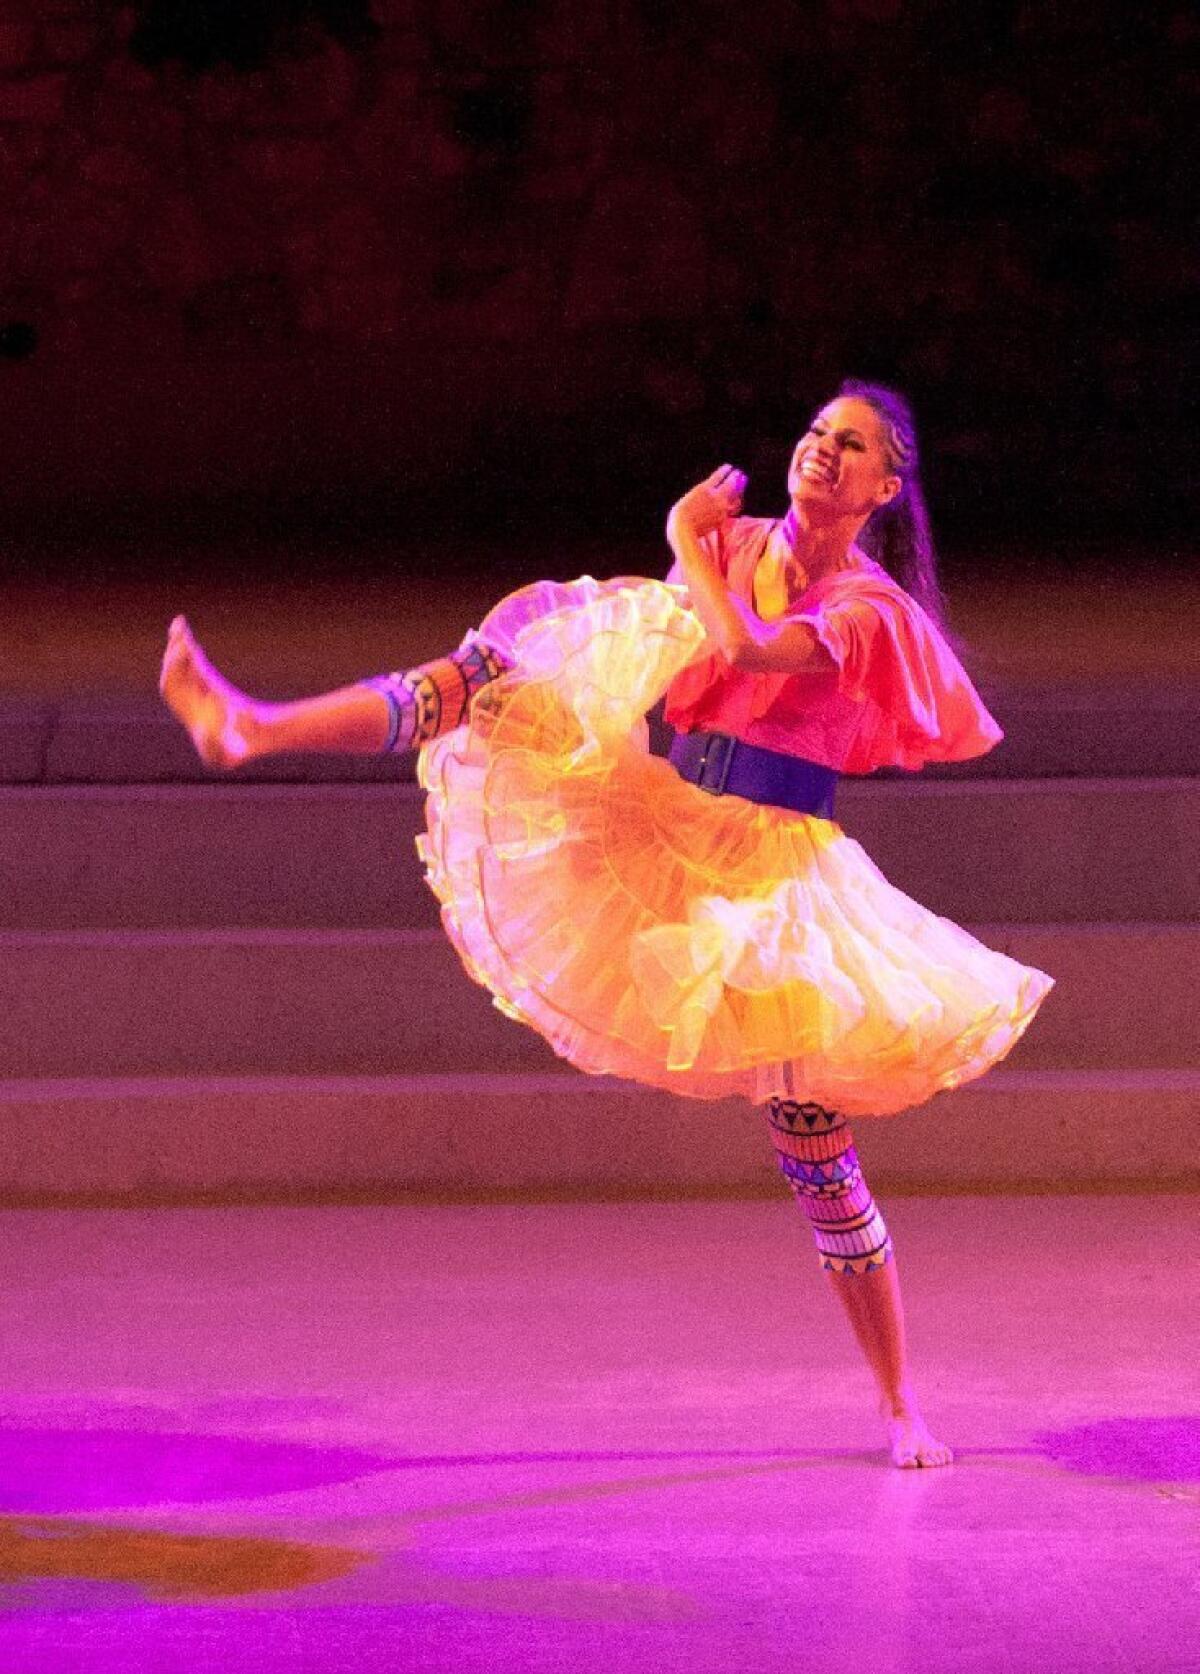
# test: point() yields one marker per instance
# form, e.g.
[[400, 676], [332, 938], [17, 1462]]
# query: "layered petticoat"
[[647, 929]]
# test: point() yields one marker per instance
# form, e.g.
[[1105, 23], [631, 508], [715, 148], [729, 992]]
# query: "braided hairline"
[[901, 445], [900, 437]]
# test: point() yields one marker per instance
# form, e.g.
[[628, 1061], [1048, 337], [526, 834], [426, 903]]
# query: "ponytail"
[[897, 534]]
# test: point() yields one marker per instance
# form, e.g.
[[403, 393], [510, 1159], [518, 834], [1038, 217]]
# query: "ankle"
[[253, 724], [898, 1400]]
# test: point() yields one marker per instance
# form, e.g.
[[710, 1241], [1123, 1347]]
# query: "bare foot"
[[909, 1440], [217, 716]]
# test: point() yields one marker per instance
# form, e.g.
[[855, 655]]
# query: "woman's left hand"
[[705, 507]]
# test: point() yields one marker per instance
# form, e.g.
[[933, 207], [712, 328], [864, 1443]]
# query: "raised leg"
[[816, 1152], [387, 713]]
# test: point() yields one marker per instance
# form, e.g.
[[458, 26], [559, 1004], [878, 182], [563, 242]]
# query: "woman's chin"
[[811, 485], [812, 499]]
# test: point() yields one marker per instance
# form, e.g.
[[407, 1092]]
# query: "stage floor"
[[595, 1437]]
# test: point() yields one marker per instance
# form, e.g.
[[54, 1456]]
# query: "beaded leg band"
[[816, 1152], [426, 701]]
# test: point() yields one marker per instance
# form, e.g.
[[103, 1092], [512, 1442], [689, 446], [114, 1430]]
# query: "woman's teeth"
[[820, 473]]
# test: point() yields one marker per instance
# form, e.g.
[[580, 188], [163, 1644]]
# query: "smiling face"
[[840, 466]]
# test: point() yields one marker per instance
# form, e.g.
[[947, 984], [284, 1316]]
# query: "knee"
[[816, 1152]]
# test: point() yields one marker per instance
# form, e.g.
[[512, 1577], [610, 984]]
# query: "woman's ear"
[[888, 490]]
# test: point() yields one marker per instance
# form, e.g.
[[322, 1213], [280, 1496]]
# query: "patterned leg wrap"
[[427, 701], [816, 1152]]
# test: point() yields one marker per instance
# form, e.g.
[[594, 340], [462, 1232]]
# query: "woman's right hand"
[[705, 507]]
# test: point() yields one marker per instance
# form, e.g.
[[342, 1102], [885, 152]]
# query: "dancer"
[[702, 923]]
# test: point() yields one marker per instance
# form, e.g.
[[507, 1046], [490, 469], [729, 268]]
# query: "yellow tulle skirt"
[[703, 944]]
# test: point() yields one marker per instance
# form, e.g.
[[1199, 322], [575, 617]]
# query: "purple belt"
[[726, 766]]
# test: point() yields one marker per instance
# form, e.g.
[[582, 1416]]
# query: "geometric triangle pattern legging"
[[814, 1145], [815, 1150]]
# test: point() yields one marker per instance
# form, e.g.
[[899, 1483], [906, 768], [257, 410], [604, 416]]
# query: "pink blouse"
[[897, 697]]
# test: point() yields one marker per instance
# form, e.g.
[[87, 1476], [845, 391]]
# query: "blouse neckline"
[[864, 565]]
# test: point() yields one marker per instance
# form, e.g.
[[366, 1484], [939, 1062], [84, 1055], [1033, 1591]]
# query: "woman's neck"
[[821, 549]]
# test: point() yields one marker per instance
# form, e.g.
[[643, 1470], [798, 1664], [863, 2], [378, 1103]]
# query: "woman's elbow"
[[781, 656]]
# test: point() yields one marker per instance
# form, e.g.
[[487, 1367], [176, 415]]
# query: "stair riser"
[[1135, 732], [342, 856], [391, 1003], [471, 1138]]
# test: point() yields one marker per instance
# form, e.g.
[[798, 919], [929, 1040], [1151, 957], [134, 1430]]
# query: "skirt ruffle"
[[707, 945]]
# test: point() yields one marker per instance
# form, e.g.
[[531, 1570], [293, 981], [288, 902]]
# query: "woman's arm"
[[743, 638]]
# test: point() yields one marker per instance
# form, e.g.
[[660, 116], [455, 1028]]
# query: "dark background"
[[325, 273]]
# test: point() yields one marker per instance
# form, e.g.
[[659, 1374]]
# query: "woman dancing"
[[702, 923]]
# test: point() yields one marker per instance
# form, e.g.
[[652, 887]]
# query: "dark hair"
[[897, 534]]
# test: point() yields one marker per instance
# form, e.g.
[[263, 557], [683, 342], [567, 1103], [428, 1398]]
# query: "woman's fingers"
[[719, 496], [727, 485], [728, 479]]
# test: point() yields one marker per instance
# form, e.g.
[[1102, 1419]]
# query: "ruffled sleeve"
[[919, 702]]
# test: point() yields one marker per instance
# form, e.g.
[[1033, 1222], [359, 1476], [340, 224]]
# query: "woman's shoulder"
[[866, 579], [862, 572]]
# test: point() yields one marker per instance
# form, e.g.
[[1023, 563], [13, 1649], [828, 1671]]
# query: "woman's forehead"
[[851, 412]]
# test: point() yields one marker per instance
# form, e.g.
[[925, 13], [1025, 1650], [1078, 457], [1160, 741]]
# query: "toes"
[[174, 657], [918, 1455], [935, 1456], [180, 636]]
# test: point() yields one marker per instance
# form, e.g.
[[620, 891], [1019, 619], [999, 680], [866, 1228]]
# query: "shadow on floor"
[[1151, 1449]]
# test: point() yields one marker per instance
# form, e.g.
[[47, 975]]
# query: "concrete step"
[[341, 856], [1128, 729], [296, 1002], [123, 741], [537, 1136], [178, 1003]]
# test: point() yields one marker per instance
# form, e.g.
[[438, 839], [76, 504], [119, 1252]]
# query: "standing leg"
[[816, 1152]]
